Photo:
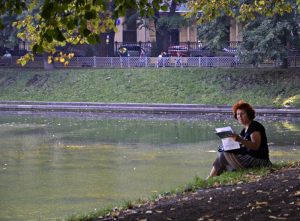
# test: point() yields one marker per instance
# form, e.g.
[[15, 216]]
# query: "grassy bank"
[[275, 87], [228, 178]]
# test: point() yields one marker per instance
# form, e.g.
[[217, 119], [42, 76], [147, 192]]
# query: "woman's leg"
[[219, 165], [212, 173]]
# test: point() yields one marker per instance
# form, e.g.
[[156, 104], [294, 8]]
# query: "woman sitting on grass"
[[254, 151]]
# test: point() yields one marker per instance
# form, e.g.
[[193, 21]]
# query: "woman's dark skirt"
[[232, 161]]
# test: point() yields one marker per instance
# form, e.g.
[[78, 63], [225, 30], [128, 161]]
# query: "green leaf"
[[48, 35], [142, 13], [71, 24], [155, 4], [37, 49], [150, 11], [164, 7], [93, 39], [57, 34], [85, 32], [90, 15], [19, 7], [87, 7], [47, 10]]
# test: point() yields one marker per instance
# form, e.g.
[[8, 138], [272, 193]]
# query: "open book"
[[227, 143]]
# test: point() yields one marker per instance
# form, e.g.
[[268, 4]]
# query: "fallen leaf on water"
[[297, 193], [249, 205], [261, 203], [279, 218]]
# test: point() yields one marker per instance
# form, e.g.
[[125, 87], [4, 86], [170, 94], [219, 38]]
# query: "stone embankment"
[[137, 108]]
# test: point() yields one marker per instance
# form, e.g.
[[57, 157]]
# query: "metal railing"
[[156, 62]]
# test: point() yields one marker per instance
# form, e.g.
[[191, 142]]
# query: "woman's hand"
[[236, 137], [254, 144]]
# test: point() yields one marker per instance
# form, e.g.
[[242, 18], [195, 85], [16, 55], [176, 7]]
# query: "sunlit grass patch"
[[292, 101]]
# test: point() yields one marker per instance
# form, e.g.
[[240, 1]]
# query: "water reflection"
[[54, 166]]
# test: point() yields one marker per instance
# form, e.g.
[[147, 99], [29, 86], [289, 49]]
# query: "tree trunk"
[[163, 36], [285, 63]]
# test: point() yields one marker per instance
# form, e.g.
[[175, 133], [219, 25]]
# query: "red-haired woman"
[[254, 151]]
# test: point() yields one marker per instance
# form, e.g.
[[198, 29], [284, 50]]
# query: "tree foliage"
[[215, 33], [240, 9], [265, 37], [270, 38], [50, 23], [8, 34]]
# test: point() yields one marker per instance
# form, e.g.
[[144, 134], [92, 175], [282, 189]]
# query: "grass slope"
[[264, 87]]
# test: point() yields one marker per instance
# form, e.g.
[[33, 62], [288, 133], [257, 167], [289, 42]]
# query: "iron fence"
[[155, 62]]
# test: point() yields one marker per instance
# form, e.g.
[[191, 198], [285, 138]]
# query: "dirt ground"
[[274, 197]]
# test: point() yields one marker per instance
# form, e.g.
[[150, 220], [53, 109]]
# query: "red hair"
[[241, 105]]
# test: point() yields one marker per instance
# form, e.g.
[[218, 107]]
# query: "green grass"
[[227, 178], [262, 87]]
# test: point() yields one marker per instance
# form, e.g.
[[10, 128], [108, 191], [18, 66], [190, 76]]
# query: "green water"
[[55, 166]]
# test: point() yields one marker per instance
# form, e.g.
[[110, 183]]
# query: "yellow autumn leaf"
[[70, 55], [49, 60], [261, 203]]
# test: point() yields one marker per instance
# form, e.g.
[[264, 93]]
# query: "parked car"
[[227, 52], [178, 50], [132, 50], [201, 52], [230, 50]]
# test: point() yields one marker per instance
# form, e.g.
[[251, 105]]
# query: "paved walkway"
[[137, 108]]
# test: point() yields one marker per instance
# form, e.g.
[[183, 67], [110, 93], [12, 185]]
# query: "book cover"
[[227, 142], [224, 134]]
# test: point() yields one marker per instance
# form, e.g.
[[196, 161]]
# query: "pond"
[[52, 166]]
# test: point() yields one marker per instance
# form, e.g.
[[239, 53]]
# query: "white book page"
[[228, 143]]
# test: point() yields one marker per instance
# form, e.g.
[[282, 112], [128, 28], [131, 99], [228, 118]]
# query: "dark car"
[[132, 50], [201, 52]]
